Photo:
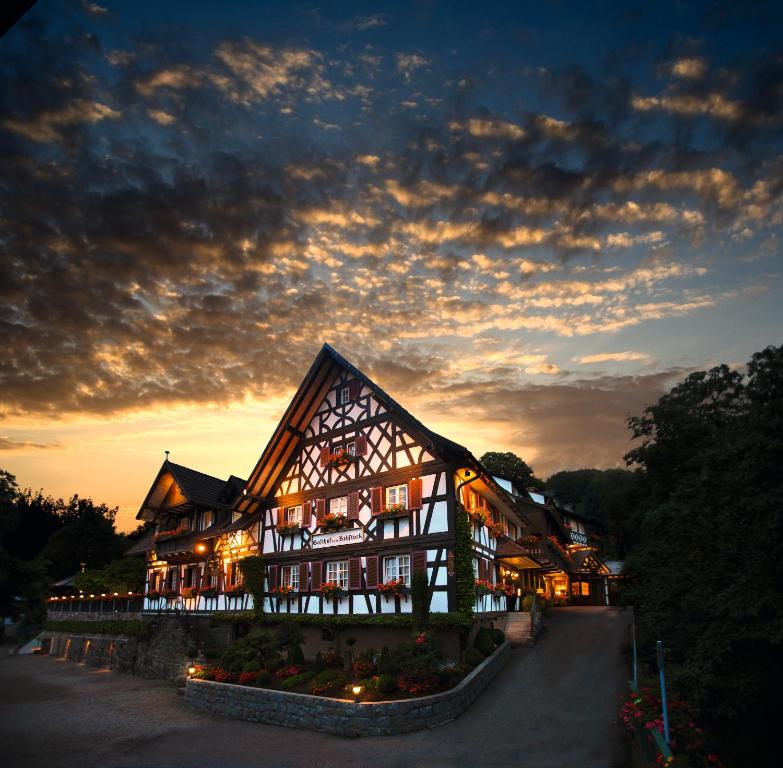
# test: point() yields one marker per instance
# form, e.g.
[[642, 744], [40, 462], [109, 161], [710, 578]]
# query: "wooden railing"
[[108, 604]]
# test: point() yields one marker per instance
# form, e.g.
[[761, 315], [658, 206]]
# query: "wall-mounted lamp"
[[201, 547]]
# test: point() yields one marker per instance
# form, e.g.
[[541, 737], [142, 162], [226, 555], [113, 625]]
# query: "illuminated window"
[[397, 567], [339, 505], [397, 494], [343, 396], [337, 572], [293, 515], [207, 520], [291, 577]]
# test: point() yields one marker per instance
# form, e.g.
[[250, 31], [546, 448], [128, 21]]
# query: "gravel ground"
[[553, 705]]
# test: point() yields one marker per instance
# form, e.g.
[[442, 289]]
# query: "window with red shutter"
[[326, 453], [280, 515], [360, 445], [414, 493], [320, 511], [315, 576], [377, 500], [303, 586], [353, 505], [354, 388], [420, 561], [355, 573], [272, 577], [307, 514], [372, 571]]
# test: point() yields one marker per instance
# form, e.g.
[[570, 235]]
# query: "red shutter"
[[280, 515], [315, 576], [355, 573], [325, 455], [377, 500], [220, 580], [414, 493], [353, 505], [360, 445], [354, 388], [372, 571], [320, 510], [303, 577], [307, 514], [419, 560], [272, 577]]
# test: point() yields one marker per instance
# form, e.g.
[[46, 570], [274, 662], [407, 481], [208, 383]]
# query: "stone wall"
[[338, 716]]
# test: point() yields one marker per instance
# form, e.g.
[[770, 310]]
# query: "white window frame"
[[394, 494], [337, 571], [293, 515], [338, 505], [396, 567], [343, 395], [290, 577]]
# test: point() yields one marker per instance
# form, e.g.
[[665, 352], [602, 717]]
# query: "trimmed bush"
[[263, 678], [500, 637], [319, 665], [296, 680], [385, 662], [485, 641], [473, 657], [252, 666], [295, 655], [387, 683]]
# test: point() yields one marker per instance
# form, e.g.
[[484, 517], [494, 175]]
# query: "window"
[[397, 567], [339, 506], [350, 448], [343, 395], [397, 494], [293, 515], [291, 577], [207, 520], [234, 574], [338, 572]]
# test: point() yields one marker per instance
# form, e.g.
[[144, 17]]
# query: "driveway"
[[552, 705]]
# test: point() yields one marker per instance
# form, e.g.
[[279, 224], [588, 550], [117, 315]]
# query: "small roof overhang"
[[510, 553]]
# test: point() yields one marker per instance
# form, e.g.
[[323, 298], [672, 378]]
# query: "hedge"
[[435, 621], [121, 627]]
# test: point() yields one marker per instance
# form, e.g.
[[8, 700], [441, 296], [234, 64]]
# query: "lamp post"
[[357, 690], [664, 706]]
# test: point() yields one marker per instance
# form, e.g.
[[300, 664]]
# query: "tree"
[[510, 466], [123, 576], [705, 568]]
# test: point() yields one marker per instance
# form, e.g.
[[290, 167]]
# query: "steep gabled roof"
[[286, 437], [185, 488]]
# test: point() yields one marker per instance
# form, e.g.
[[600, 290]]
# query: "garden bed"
[[338, 716]]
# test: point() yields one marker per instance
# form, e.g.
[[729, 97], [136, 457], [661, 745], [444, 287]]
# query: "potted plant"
[[234, 590], [480, 515], [392, 510], [333, 521], [393, 587], [341, 457], [208, 592], [331, 590], [188, 592]]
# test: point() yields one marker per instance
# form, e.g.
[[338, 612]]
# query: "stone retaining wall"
[[338, 716]]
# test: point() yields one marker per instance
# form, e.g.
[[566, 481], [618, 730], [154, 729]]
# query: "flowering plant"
[[529, 541], [503, 590], [484, 587], [341, 456], [393, 587], [224, 676], [234, 590], [171, 532], [394, 509], [167, 594], [331, 589], [284, 528], [208, 592], [283, 590], [495, 529], [247, 678], [284, 672], [188, 592], [333, 520], [480, 515]]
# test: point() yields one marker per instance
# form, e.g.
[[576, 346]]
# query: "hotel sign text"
[[336, 538]]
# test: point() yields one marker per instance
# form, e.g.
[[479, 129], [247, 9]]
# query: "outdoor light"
[[191, 671], [357, 689], [244, 491], [201, 547], [116, 593]]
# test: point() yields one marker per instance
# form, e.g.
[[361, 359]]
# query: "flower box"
[[480, 516], [484, 587], [393, 587], [331, 590], [341, 458], [495, 529], [188, 592], [285, 528], [208, 592], [283, 591], [332, 522], [236, 590], [394, 510]]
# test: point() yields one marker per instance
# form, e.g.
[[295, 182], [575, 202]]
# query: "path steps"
[[519, 629]]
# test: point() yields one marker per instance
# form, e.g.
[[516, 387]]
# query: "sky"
[[525, 221]]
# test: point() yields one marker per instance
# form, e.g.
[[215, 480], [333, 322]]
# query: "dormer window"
[[343, 395], [207, 519]]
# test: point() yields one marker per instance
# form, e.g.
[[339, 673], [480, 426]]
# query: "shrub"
[[333, 659], [295, 655], [500, 637], [319, 665], [528, 602], [485, 641], [328, 681], [387, 683], [289, 634], [296, 680], [252, 666], [263, 678], [385, 662], [258, 645], [420, 599], [418, 683], [247, 678], [473, 657], [363, 667], [225, 676], [274, 663], [285, 672], [421, 655]]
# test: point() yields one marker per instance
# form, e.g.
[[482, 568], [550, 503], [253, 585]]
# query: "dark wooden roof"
[[144, 544], [285, 439], [199, 487]]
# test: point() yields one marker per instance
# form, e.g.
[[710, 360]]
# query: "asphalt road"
[[552, 705]]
